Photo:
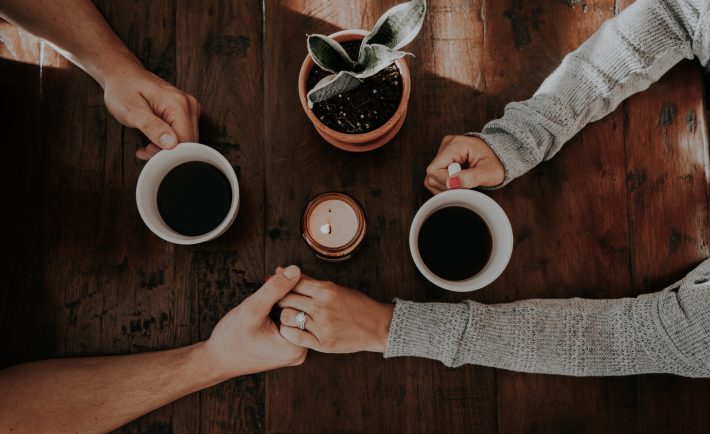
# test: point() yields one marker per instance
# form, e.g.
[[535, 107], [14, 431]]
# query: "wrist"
[[117, 65], [383, 317], [207, 365]]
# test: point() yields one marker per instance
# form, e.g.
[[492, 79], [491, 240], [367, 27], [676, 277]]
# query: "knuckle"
[[327, 295], [143, 122]]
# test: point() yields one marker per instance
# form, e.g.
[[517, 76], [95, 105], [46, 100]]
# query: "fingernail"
[[291, 272], [454, 182], [168, 141], [266, 279]]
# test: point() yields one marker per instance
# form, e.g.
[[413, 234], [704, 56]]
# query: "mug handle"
[[454, 168]]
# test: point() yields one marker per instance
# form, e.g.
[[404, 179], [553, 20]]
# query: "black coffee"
[[455, 243], [194, 198]]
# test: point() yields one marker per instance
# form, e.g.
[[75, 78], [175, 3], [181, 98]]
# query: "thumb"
[[157, 130], [469, 178], [275, 289]]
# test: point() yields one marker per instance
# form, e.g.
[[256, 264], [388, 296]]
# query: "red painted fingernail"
[[454, 182], [266, 279]]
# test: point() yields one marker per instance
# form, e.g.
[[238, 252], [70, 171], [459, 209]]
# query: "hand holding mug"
[[482, 166], [337, 319], [140, 99]]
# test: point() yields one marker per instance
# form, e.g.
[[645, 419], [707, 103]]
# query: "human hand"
[[246, 340], [338, 319], [165, 114], [482, 166]]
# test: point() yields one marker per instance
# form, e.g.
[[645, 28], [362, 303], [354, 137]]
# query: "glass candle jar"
[[333, 226]]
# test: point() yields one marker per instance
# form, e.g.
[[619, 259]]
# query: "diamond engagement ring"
[[301, 320]]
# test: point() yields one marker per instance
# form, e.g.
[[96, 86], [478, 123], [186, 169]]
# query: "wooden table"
[[621, 211]]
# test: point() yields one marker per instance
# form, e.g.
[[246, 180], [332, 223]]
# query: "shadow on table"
[[19, 133]]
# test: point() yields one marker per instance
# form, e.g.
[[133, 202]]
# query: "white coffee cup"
[[152, 175], [497, 222]]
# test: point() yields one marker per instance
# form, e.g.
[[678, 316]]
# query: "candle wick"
[[326, 228]]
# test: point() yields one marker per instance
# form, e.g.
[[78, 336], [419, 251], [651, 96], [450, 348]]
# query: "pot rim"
[[308, 64]]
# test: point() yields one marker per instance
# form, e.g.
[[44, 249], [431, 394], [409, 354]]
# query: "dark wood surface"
[[621, 211]]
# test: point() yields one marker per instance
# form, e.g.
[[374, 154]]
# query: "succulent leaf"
[[331, 86], [399, 25], [374, 58], [329, 54]]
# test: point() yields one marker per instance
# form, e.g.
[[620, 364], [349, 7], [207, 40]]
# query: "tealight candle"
[[333, 226]]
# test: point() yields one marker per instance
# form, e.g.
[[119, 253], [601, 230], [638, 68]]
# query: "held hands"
[[165, 114], [246, 340], [338, 319], [481, 165]]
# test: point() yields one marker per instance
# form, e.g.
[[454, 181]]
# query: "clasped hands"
[[339, 320]]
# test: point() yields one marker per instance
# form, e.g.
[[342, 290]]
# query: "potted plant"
[[354, 85]]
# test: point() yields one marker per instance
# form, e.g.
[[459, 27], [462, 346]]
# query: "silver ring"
[[301, 320]]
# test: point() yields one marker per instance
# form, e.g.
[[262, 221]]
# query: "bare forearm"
[[76, 29], [99, 393]]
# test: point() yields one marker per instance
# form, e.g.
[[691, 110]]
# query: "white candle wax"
[[333, 223]]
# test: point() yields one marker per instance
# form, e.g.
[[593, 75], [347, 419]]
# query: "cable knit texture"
[[626, 55], [664, 332]]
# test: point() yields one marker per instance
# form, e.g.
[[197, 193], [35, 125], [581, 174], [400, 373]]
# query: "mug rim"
[[491, 213], [184, 153]]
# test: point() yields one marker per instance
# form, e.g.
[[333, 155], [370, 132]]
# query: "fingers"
[[183, 119], [437, 171], [471, 178], [434, 185], [298, 337], [297, 302], [483, 166], [156, 129], [443, 158], [148, 152], [274, 289], [288, 317], [304, 276], [179, 116]]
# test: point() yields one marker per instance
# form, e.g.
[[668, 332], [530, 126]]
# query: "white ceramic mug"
[[152, 175], [497, 222]]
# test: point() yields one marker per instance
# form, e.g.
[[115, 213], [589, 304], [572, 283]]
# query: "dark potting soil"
[[362, 109]]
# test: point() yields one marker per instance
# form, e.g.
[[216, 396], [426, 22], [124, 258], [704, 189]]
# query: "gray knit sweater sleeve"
[[626, 55], [664, 332]]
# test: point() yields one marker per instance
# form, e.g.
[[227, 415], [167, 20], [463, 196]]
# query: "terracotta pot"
[[357, 142]]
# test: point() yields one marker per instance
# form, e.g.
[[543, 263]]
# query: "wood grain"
[[108, 284], [568, 214], [667, 161], [622, 210], [219, 60], [19, 115]]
